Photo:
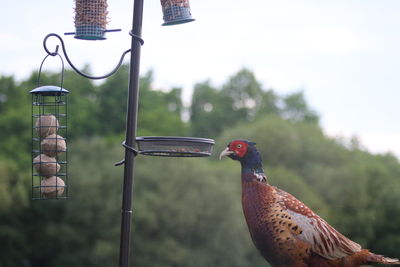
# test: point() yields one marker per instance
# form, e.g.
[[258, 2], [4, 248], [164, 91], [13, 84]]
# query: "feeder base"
[[90, 33]]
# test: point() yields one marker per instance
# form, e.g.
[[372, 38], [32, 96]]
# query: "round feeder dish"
[[165, 146], [49, 90]]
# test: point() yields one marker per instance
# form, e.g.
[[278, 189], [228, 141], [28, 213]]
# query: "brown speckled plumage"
[[285, 230]]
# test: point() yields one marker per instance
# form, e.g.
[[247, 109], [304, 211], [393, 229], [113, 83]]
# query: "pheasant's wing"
[[323, 238]]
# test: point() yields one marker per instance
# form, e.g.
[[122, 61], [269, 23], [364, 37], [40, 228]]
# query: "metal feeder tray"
[[175, 146]]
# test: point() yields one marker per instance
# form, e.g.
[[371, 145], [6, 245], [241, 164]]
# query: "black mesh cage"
[[49, 143]]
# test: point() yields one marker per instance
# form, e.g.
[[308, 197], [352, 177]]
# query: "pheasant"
[[285, 230]]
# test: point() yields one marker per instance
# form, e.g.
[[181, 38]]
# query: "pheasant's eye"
[[239, 145]]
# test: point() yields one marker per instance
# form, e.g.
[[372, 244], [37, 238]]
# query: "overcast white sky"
[[344, 54]]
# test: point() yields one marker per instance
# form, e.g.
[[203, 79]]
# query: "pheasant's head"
[[243, 151], [246, 153]]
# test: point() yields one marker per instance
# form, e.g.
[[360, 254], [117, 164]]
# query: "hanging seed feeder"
[[49, 150], [176, 12], [90, 19], [175, 146]]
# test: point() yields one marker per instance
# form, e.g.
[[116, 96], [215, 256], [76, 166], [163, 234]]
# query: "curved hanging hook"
[[72, 65], [62, 66]]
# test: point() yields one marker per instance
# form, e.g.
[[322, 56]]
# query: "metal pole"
[[131, 124]]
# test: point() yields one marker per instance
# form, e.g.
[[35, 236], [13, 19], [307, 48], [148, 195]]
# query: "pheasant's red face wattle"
[[239, 147]]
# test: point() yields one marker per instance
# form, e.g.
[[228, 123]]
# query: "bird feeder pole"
[[131, 126], [175, 12]]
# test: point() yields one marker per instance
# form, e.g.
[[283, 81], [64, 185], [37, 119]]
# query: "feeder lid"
[[49, 90], [172, 146]]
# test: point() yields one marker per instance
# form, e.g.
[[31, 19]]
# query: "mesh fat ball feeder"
[[49, 143], [49, 150]]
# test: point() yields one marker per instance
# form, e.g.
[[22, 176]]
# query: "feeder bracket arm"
[[75, 68]]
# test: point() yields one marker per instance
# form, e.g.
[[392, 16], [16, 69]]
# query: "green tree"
[[15, 120], [209, 111], [296, 109], [245, 94], [160, 113], [112, 101], [240, 99]]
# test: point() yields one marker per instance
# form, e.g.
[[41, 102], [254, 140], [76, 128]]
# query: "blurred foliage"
[[242, 99], [187, 212]]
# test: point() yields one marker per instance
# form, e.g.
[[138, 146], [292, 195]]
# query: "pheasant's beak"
[[226, 152]]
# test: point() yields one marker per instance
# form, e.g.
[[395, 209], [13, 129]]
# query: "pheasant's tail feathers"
[[374, 258], [391, 261]]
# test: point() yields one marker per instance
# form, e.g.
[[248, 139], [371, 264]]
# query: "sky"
[[343, 54]]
